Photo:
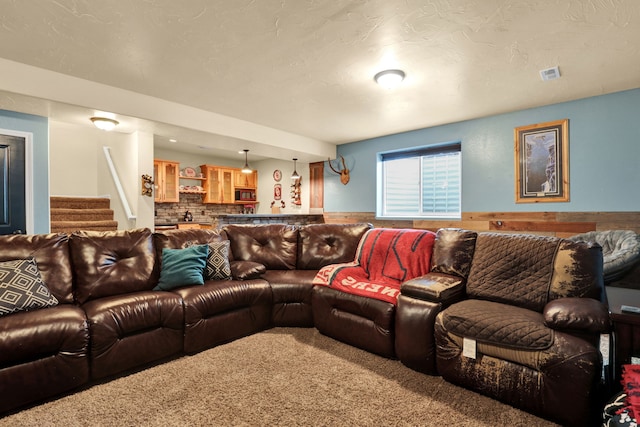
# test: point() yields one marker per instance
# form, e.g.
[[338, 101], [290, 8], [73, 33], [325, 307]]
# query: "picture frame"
[[542, 162]]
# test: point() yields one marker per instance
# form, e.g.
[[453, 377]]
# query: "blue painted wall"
[[604, 158], [39, 127]]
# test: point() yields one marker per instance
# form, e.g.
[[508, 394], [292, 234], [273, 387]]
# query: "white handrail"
[[116, 181]]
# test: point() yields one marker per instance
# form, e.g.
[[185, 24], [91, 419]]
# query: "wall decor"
[[296, 192], [277, 175], [343, 172], [277, 191], [542, 162], [147, 185]]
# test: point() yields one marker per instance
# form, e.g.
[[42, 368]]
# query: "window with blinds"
[[420, 183]]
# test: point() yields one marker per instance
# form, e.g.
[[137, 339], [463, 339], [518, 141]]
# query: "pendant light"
[[246, 168], [295, 175]]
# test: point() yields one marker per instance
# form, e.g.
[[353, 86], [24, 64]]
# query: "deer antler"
[[344, 172]]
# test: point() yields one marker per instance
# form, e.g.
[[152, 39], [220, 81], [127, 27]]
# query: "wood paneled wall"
[[561, 224]]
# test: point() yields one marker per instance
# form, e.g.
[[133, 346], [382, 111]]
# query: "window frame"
[[435, 149]]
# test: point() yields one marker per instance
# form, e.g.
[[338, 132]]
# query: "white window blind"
[[423, 182]]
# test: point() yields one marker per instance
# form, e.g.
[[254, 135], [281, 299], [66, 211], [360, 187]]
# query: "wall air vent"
[[550, 73]]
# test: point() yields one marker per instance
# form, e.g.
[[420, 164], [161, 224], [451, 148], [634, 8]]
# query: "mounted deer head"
[[344, 172]]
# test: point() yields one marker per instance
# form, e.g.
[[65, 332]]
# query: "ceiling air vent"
[[550, 73]]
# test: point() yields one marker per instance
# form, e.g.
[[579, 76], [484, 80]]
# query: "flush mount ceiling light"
[[104, 123], [389, 78], [246, 168], [295, 175]]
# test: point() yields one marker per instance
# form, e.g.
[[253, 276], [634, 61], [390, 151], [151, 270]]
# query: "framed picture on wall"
[[542, 162]]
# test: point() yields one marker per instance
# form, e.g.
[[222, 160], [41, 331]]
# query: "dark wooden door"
[[12, 185]]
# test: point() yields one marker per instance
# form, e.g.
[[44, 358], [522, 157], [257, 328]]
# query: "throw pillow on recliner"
[[182, 267], [22, 288], [218, 267]]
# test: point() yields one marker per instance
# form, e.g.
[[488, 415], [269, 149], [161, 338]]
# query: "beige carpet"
[[281, 377]]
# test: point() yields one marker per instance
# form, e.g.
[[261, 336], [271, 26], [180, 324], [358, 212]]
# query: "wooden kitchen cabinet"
[[218, 184], [166, 177], [246, 180]]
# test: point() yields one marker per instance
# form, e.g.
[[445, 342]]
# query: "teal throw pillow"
[[182, 267]]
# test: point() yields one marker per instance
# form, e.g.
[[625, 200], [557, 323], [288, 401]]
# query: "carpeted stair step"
[[71, 226], [69, 214], [63, 214], [58, 202]]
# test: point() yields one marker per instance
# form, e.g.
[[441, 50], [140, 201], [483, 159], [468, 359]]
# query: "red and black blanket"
[[384, 260]]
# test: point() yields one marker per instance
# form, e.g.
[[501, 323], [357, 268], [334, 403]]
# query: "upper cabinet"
[[218, 184], [228, 185], [165, 176], [246, 180]]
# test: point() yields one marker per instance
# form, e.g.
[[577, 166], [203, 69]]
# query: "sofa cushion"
[[112, 262], [182, 267], [183, 238], [577, 271], [22, 288], [273, 245], [324, 244], [499, 324], [51, 252], [180, 239], [513, 269], [385, 259], [453, 251]]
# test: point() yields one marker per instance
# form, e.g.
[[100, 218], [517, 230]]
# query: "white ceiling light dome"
[[389, 79]]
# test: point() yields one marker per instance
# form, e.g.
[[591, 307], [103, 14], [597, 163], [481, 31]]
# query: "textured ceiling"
[[305, 67]]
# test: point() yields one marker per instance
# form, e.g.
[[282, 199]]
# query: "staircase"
[[69, 214]]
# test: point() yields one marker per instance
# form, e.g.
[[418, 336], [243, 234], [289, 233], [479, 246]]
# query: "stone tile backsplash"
[[170, 213]]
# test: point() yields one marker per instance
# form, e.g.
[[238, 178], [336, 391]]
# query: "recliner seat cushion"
[[499, 324]]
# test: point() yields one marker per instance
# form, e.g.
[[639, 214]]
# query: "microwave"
[[245, 195]]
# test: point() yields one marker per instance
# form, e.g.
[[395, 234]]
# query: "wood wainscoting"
[[561, 224]]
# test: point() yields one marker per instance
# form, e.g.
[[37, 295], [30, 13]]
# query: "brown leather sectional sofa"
[[108, 311]]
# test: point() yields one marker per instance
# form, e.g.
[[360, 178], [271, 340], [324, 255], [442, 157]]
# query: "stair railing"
[[116, 181]]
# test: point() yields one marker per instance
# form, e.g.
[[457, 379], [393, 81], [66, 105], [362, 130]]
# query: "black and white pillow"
[[22, 288], [218, 267]]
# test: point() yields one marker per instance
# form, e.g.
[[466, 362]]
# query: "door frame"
[[28, 175]]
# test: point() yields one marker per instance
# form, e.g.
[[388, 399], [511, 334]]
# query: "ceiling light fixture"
[[295, 175], [389, 79], [246, 168], [104, 123]]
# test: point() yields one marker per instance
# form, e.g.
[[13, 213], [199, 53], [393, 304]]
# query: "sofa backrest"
[[392, 255], [51, 252], [453, 252], [528, 271], [273, 245], [112, 262], [324, 244]]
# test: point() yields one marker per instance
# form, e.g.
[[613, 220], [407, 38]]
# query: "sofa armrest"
[[435, 287], [577, 314]]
